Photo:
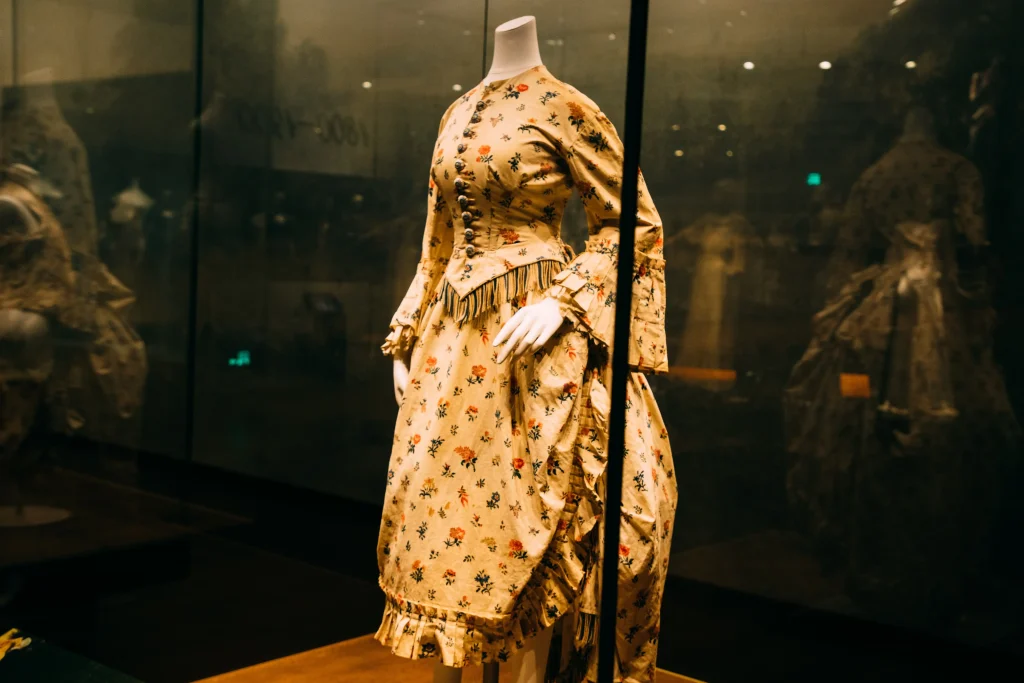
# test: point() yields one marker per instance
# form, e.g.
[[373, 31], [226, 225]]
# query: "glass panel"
[[96, 166], [835, 180], [321, 124]]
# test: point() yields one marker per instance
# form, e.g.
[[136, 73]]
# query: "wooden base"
[[361, 660]]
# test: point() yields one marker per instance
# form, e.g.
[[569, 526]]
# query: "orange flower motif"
[[563, 524], [449, 573], [431, 361], [467, 453], [417, 564], [576, 110], [473, 409], [624, 550], [518, 463], [416, 438], [522, 87], [479, 371], [458, 533], [515, 545], [510, 236], [484, 149], [569, 388], [532, 120], [584, 187]]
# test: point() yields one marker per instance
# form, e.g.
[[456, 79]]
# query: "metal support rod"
[[633, 128], [193, 255], [15, 43]]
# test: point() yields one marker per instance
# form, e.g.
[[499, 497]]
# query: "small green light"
[[241, 358], [814, 179]]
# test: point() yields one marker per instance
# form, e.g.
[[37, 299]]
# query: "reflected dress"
[[490, 529], [710, 335], [899, 477]]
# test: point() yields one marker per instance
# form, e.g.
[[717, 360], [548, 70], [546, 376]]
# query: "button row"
[[461, 186]]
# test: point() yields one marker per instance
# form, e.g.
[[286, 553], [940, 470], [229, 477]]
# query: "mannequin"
[[26, 362], [516, 49]]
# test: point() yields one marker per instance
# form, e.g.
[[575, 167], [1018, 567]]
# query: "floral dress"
[[490, 530]]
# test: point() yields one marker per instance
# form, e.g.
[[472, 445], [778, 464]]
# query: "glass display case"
[[211, 211]]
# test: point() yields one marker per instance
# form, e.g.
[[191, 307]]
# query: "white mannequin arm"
[[400, 371], [529, 329]]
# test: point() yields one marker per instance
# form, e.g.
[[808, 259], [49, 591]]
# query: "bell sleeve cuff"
[[586, 290]]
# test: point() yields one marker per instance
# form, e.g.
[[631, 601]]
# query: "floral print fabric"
[[490, 531]]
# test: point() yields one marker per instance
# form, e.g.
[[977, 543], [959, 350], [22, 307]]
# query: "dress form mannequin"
[[516, 49], [25, 336]]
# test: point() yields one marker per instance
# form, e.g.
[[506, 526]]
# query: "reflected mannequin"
[[709, 338], [36, 296], [931, 403], [100, 378]]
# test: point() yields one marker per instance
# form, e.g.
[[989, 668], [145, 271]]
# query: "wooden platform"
[[360, 660]]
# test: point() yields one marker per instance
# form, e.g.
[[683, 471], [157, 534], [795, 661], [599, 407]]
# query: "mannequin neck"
[[516, 49]]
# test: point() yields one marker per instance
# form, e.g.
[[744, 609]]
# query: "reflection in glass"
[[708, 342], [100, 372], [911, 336]]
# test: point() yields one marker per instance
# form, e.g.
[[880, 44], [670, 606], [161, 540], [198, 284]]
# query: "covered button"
[[467, 133], [475, 118], [469, 234], [467, 217], [462, 147], [463, 201], [481, 105], [459, 164], [460, 185], [471, 251]]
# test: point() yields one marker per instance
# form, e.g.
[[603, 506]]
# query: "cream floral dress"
[[495, 489]]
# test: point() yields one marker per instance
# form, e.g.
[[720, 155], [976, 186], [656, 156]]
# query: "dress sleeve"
[[587, 285], [438, 241]]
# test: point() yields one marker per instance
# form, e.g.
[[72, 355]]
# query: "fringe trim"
[[499, 290], [586, 629]]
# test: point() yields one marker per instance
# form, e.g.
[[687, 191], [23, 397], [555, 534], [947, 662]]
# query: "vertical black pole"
[[483, 59], [15, 47], [633, 127], [193, 255]]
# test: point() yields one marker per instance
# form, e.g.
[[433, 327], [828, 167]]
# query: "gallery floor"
[[360, 660]]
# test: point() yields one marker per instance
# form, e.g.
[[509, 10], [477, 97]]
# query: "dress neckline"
[[498, 82]]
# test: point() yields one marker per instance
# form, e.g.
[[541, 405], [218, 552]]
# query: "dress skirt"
[[490, 529]]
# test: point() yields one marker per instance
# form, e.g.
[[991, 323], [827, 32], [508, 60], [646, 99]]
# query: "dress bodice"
[[507, 158]]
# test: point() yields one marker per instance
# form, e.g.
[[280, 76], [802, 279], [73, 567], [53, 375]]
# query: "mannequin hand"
[[401, 375], [529, 329]]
